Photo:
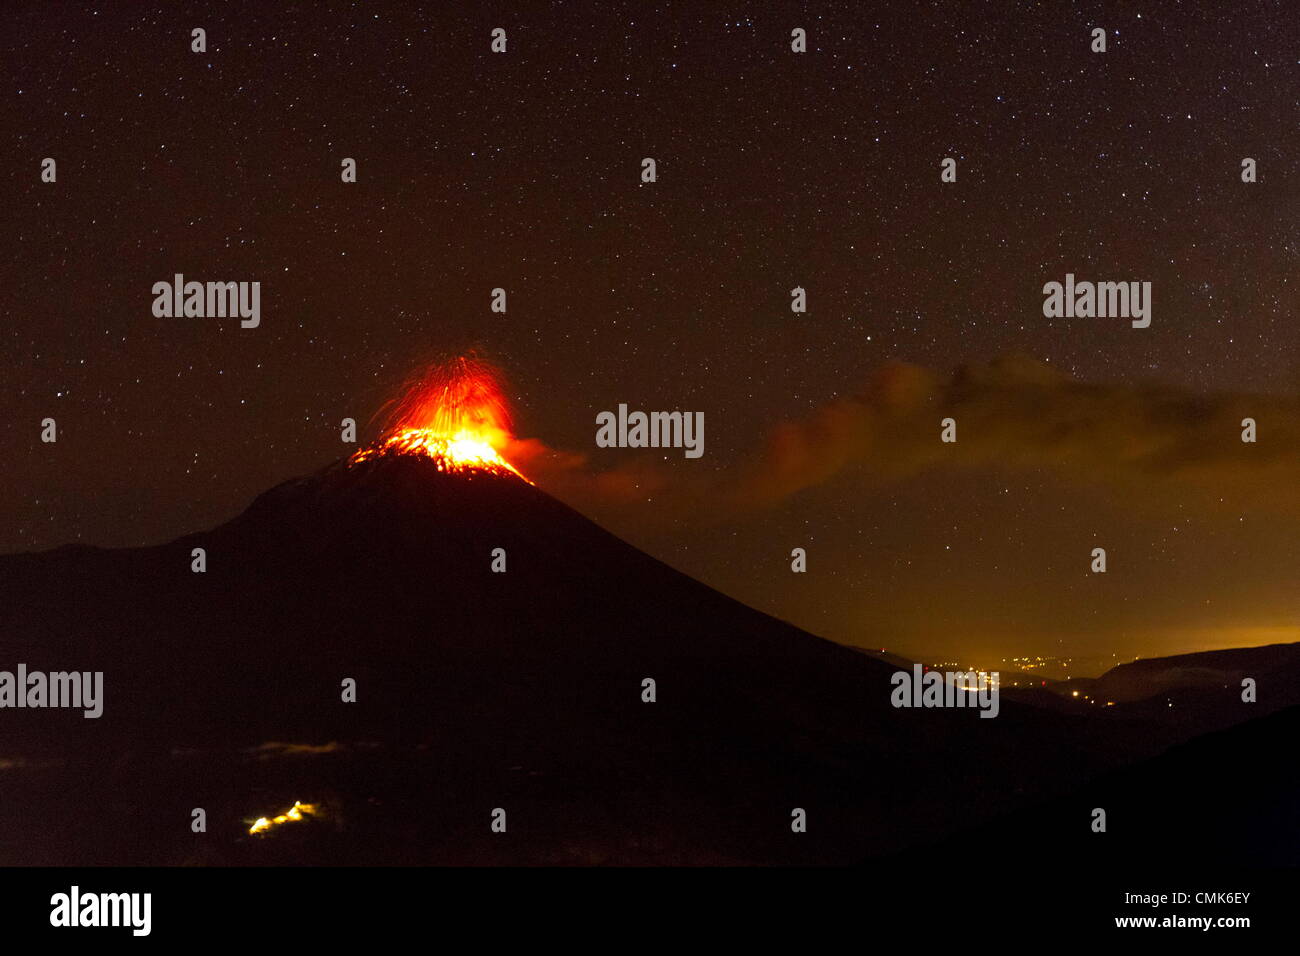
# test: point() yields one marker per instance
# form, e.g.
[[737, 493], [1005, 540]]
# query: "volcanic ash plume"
[[455, 414]]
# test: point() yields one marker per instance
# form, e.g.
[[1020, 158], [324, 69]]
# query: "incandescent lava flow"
[[455, 414]]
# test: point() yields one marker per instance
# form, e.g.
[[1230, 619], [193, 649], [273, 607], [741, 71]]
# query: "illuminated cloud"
[[1018, 414], [1150, 444]]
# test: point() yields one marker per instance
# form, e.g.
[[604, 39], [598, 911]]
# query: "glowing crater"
[[456, 415], [461, 452]]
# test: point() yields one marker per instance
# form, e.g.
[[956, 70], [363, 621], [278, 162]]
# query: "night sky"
[[775, 170]]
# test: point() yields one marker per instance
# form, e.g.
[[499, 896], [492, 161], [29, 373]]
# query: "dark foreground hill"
[[1226, 802], [475, 691]]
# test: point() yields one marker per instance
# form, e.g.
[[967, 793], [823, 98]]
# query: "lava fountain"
[[454, 413]]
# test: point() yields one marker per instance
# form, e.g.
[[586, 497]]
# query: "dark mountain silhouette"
[[1274, 666], [1221, 803], [475, 690]]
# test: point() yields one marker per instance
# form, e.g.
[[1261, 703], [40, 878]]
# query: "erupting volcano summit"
[[455, 414]]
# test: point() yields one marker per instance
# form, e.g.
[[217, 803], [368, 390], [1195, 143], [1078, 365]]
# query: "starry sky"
[[521, 170]]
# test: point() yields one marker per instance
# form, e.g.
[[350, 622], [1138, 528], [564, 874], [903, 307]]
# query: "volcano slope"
[[475, 691]]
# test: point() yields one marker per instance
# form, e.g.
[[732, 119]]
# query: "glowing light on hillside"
[[293, 815]]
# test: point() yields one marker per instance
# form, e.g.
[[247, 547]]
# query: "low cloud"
[[1015, 414], [1018, 414]]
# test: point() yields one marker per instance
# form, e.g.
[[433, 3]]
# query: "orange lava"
[[293, 815], [455, 414]]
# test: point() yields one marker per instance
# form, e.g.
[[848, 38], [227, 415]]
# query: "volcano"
[[475, 690], [498, 644]]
